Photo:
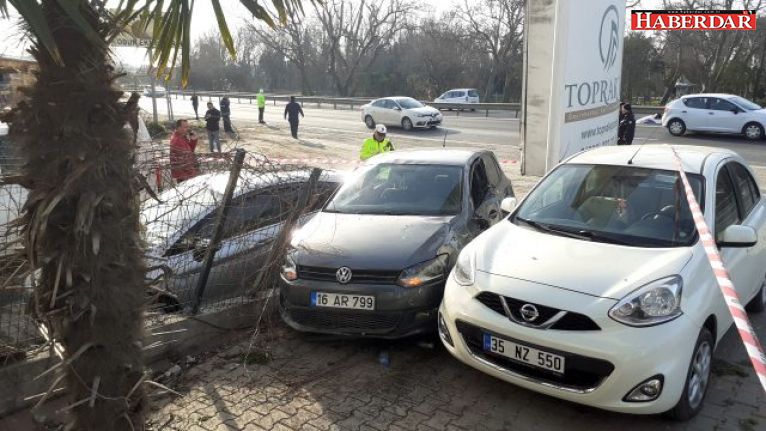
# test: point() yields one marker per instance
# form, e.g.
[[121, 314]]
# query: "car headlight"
[[425, 272], [424, 115], [289, 269], [652, 304], [464, 268]]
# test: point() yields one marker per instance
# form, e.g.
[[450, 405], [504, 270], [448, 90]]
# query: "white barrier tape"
[[741, 321]]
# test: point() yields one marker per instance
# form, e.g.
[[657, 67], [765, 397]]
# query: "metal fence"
[[213, 241]]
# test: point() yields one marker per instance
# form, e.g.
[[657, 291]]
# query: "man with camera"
[[183, 162]]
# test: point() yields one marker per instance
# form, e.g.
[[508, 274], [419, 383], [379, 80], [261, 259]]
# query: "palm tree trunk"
[[82, 225]]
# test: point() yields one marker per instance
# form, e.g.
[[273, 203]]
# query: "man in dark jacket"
[[627, 125], [291, 114], [212, 118], [225, 114], [195, 105]]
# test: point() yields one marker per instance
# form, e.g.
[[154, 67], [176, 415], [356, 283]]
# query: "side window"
[[479, 183], [379, 103], [390, 104], [748, 192], [726, 213], [323, 193], [720, 104], [460, 94], [696, 102], [493, 173], [473, 93]]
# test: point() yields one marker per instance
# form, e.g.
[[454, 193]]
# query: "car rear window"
[[473, 93], [696, 102]]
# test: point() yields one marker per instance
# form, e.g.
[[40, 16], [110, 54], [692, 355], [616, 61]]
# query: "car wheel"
[[753, 131], [697, 378], [676, 127], [369, 122], [758, 304], [406, 123]]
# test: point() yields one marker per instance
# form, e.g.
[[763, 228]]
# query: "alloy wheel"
[[676, 127], [700, 375]]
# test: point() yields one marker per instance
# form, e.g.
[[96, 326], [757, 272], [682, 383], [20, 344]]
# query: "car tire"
[[758, 303], [369, 122], [676, 127], [753, 131], [406, 123], [697, 378]]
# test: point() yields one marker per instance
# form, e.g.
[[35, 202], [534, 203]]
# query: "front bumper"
[[399, 311], [602, 366], [427, 121]]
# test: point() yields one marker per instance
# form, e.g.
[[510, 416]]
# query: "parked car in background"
[[400, 111], [159, 91], [718, 113], [597, 288], [459, 95], [178, 229], [374, 260]]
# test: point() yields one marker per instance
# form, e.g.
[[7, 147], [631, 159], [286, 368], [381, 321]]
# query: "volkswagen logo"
[[609, 37], [343, 274], [529, 312]]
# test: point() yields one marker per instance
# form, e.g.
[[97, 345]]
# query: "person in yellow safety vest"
[[261, 99], [377, 144]]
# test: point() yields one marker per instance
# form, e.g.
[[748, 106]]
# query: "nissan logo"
[[529, 312], [343, 274], [609, 37]]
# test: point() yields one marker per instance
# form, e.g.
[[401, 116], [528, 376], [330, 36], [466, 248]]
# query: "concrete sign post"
[[572, 71]]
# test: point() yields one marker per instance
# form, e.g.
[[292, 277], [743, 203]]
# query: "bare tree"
[[497, 26], [355, 33]]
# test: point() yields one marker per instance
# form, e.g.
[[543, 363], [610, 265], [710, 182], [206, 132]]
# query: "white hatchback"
[[597, 290], [718, 113], [400, 111], [459, 95]]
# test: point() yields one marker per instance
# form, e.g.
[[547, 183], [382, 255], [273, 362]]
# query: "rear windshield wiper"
[[583, 235]]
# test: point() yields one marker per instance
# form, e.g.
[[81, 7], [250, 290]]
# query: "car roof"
[[461, 89], [429, 157], [721, 95], [655, 156]]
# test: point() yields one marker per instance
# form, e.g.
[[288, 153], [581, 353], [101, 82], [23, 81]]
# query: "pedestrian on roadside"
[[627, 126], [261, 106], [291, 114], [226, 114], [377, 144], [183, 162], [212, 118], [195, 105]]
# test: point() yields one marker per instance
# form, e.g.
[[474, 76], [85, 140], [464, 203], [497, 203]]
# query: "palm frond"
[[32, 14]]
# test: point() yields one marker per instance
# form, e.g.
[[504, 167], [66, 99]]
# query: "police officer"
[[377, 144]]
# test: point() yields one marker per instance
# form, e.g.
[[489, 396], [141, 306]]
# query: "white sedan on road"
[[718, 113], [400, 111], [597, 289]]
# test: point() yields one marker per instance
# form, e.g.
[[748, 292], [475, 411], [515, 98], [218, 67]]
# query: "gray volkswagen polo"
[[374, 260]]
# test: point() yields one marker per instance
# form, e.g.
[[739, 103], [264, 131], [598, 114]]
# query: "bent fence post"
[[223, 211], [280, 243]]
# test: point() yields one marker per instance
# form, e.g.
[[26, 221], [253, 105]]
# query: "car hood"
[[427, 110], [369, 241], [593, 268]]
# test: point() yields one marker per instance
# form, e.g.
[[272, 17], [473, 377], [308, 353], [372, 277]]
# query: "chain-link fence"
[[212, 241]]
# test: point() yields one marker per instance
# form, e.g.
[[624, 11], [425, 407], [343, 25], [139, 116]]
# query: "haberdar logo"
[[653, 20], [609, 37]]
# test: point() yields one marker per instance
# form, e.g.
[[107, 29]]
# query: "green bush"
[[156, 130]]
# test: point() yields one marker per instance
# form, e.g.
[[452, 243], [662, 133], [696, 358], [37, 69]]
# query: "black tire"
[[753, 131], [699, 374], [406, 123], [758, 303], [676, 127], [369, 122]]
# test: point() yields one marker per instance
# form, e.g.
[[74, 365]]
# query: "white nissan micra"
[[596, 289]]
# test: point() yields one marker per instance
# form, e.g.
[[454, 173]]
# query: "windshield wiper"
[[583, 235]]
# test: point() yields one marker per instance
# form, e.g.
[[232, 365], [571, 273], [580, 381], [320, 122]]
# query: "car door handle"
[[711, 113]]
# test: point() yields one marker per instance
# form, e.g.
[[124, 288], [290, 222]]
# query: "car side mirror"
[[735, 110], [508, 205], [738, 236], [397, 109]]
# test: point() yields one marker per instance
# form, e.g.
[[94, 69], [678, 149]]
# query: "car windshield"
[[744, 103], [408, 103], [401, 189], [626, 205]]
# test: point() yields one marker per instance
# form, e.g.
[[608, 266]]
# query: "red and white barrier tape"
[[745, 329], [326, 161]]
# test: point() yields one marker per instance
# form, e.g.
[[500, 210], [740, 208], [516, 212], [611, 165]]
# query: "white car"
[[459, 95], [400, 111], [719, 113], [159, 91], [597, 289]]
